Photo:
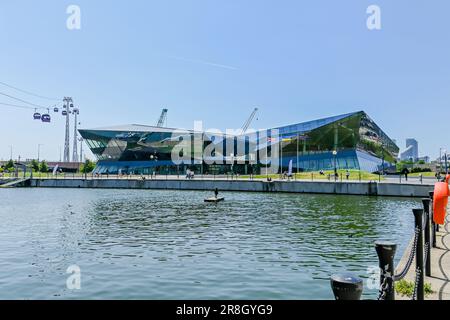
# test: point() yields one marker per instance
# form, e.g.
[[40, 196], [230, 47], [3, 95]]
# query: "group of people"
[[336, 174], [189, 174]]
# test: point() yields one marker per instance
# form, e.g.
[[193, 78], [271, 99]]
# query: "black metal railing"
[[349, 287]]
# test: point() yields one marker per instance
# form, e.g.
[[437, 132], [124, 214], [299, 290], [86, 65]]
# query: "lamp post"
[[445, 158], [155, 159], [335, 164], [11, 152]]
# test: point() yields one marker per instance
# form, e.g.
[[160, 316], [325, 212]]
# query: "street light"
[[335, 164], [445, 159], [11, 152]]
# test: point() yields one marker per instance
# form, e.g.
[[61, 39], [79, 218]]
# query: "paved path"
[[440, 265]]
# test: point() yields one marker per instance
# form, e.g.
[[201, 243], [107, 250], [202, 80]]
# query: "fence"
[[349, 287]]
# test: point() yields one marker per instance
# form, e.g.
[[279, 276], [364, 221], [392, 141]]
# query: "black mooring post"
[[386, 252], [418, 218], [433, 225], [426, 208], [436, 226], [346, 287]]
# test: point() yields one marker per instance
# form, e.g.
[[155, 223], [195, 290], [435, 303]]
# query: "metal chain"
[[416, 284], [405, 270], [383, 290], [427, 250]]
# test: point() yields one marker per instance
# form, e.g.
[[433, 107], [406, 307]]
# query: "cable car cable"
[[16, 106], [21, 100], [28, 92]]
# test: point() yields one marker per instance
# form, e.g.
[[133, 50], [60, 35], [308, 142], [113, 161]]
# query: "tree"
[[35, 165], [88, 166], [43, 166], [9, 165]]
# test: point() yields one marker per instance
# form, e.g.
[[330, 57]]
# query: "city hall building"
[[348, 141]]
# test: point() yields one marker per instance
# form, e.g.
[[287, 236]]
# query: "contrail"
[[208, 63]]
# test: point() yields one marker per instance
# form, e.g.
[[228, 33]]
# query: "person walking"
[[216, 192]]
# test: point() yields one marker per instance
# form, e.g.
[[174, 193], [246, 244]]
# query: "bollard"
[[433, 225], [346, 287], [418, 220], [386, 252], [426, 208]]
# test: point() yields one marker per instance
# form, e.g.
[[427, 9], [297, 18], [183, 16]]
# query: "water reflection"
[[169, 244]]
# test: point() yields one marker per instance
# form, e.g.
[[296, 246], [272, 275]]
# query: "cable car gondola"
[[55, 109], [36, 115], [46, 117], [64, 113]]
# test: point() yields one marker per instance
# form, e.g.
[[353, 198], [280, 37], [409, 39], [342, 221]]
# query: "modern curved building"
[[348, 141]]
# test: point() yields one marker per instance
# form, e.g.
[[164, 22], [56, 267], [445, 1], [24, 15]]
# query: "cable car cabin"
[[46, 118], [37, 116], [55, 109], [64, 113]]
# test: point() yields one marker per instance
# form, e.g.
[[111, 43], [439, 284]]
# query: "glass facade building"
[[349, 141]]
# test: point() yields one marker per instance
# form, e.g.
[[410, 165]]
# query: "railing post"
[[426, 208], [346, 287], [433, 225], [386, 252], [418, 219]]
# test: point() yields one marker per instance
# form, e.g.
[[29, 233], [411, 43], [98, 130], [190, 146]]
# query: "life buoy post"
[[440, 201]]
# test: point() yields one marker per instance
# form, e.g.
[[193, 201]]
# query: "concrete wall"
[[349, 188]]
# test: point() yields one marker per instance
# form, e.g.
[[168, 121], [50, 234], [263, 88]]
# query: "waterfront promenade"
[[440, 266], [209, 183]]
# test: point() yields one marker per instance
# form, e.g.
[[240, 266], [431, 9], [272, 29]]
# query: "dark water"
[[170, 245]]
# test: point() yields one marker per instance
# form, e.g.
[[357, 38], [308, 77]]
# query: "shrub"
[[406, 288]]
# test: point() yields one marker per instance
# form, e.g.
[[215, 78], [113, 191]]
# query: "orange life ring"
[[440, 201]]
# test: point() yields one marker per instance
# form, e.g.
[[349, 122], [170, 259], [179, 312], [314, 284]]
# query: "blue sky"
[[216, 60]]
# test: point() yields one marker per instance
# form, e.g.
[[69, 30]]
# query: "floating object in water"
[[440, 201], [215, 199]]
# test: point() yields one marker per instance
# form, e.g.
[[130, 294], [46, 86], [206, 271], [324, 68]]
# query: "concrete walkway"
[[440, 266]]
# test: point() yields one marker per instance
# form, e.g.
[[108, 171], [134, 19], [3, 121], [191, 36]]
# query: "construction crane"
[[249, 121], [162, 118]]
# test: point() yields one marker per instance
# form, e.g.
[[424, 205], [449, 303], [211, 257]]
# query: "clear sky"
[[215, 60]]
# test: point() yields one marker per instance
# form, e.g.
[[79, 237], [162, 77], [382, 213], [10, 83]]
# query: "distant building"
[[426, 159], [412, 150]]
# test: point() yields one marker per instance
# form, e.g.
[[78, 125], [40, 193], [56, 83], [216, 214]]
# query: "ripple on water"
[[139, 244]]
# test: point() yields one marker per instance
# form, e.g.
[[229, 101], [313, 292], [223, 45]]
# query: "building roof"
[[138, 128], [314, 124], [298, 127]]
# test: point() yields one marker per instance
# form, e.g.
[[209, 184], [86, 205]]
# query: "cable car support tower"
[[66, 112]]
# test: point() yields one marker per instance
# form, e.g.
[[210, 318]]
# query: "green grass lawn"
[[424, 174]]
